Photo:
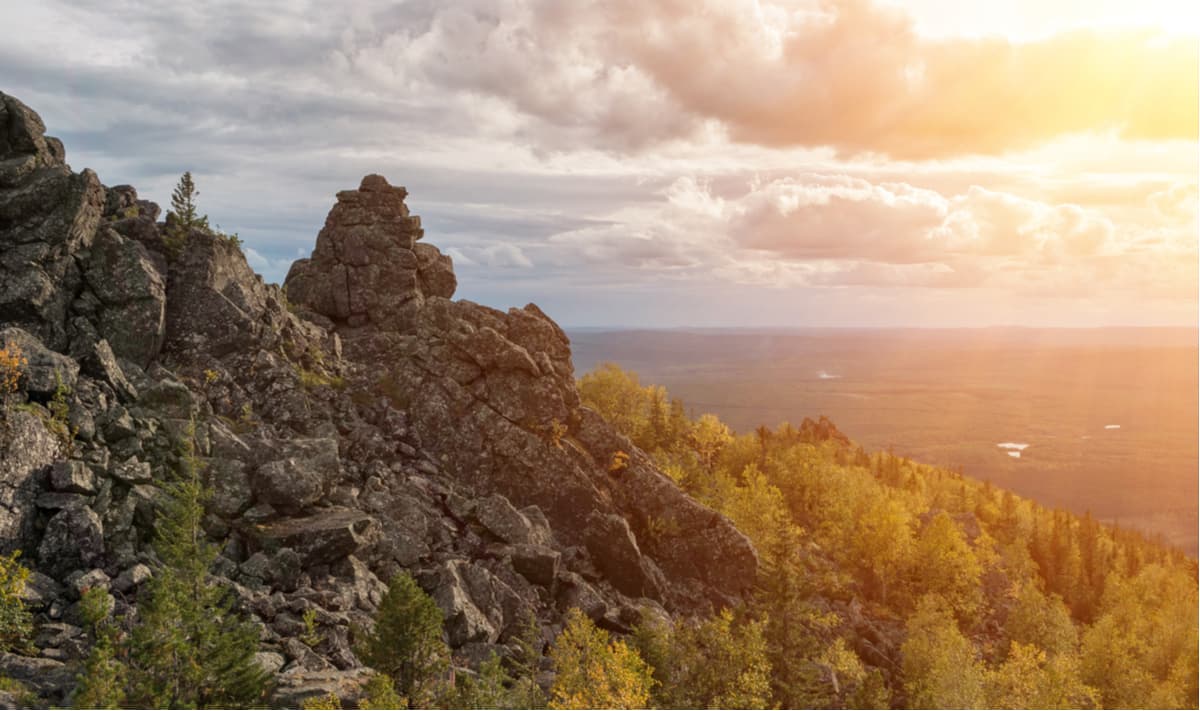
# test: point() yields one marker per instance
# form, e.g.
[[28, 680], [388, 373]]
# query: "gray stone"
[[615, 550], [73, 477], [132, 471], [45, 677], [45, 370], [28, 448], [74, 539], [435, 271], [503, 520], [538, 564], [123, 276], [301, 477], [230, 485], [270, 662], [465, 622], [169, 398], [294, 687], [55, 500], [81, 582], [320, 539], [131, 578], [364, 268], [118, 425]]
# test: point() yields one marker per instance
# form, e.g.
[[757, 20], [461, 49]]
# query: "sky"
[[673, 163]]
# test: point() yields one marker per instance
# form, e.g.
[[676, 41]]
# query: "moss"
[[311, 379]]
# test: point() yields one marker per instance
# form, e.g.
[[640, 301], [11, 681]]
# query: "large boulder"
[[450, 586], [24, 145], [615, 550], [302, 475], [215, 302], [26, 449], [47, 215], [74, 540], [133, 295], [325, 537], [44, 369]]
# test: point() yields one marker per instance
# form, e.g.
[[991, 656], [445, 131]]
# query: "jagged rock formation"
[[367, 266], [361, 424]]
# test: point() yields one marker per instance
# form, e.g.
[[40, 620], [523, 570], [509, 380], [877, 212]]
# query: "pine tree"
[[711, 664], [102, 683], [183, 215], [796, 631], [406, 642], [190, 648], [524, 665]]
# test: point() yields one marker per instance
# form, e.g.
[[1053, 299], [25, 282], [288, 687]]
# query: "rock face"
[[360, 424], [366, 267]]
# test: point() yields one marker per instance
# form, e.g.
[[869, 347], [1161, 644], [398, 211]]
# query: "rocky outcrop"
[[366, 267], [357, 424]]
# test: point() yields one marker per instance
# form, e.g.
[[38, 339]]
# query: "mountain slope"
[[359, 424]]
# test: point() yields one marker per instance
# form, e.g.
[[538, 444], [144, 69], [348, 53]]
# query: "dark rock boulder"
[[44, 370], [435, 271], [502, 520], [539, 564], [24, 145], [132, 292], [215, 302], [73, 476], [304, 473], [47, 214], [47, 678], [26, 449], [616, 553], [295, 687], [465, 621], [100, 362], [322, 538], [74, 540]]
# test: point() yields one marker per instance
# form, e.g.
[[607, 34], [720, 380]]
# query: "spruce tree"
[[102, 683], [406, 642], [183, 215], [190, 648]]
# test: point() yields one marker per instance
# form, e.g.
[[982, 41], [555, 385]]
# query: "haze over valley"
[[1103, 419]]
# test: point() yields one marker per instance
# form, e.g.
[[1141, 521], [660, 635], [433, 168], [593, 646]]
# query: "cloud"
[[834, 230], [857, 77], [627, 75], [851, 75], [504, 256]]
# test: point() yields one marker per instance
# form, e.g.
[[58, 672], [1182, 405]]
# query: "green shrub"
[[16, 625]]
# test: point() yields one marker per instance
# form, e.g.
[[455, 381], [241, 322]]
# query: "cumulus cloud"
[[851, 75], [834, 230], [626, 75], [857, 77]]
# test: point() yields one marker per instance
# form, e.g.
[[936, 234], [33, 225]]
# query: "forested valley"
[[886, 582]]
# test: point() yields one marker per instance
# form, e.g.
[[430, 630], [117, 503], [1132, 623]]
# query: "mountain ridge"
[[348, 429]]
